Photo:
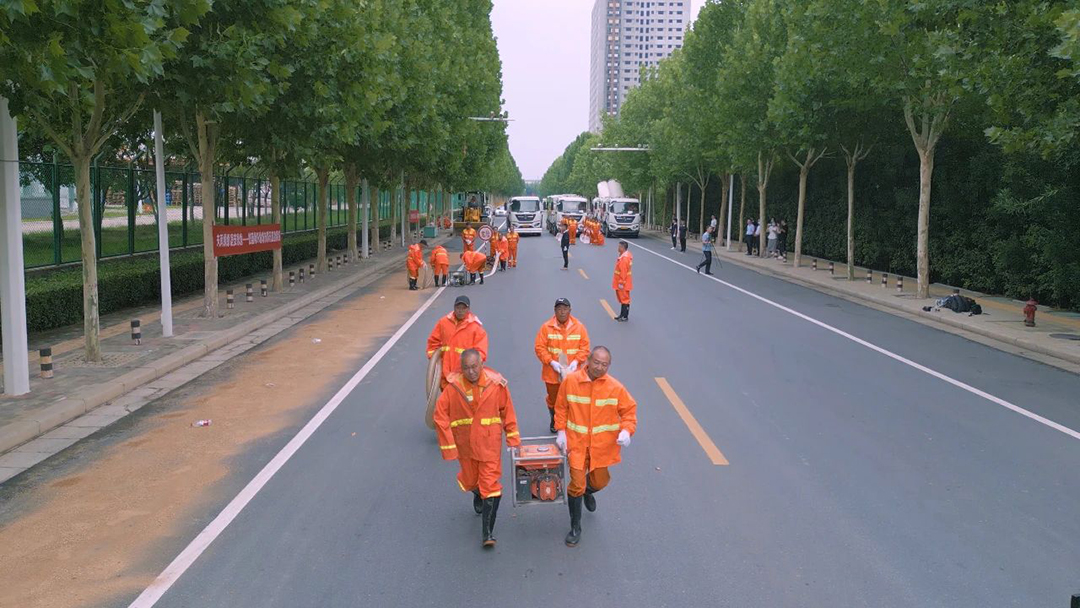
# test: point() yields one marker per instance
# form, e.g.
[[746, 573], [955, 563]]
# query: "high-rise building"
[[628, 34]]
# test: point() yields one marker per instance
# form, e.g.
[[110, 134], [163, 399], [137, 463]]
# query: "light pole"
[[12, 282]]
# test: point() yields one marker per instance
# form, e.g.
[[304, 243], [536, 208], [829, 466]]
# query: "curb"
[[1022, 343], [19, 432]]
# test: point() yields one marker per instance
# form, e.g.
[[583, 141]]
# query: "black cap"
[[423, 242], [562, 302], [463, 300]]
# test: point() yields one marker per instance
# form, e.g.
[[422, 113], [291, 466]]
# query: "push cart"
[[540, 474]]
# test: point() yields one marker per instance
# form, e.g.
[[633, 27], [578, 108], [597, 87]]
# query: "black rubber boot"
[[412, 284], [551, 416], [481, 278], [626, 312], [477, 502], [590, 500], [487, 521], [574, 535]]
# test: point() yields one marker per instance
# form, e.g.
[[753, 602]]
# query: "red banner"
[[414, 216], [235, 240]]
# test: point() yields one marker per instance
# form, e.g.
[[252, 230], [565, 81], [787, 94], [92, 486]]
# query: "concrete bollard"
[[813, 264], [230, 303], [250, 295], [301, 276], [899, 284], [292, 279], [884, 279], [136, 331], [45, 357], [832, 268], [869, 276], [262, 287]]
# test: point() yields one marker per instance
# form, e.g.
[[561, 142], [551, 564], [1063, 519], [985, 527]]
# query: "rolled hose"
[[434, 375]]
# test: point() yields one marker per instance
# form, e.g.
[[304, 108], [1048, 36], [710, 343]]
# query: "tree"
[[79, 84]]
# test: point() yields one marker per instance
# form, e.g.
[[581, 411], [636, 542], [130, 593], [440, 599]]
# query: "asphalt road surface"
[[864, 460]]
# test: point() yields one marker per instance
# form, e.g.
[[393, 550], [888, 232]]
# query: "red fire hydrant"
[[1029, 312]]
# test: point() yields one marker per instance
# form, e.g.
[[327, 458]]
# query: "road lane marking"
[[583, 273], [874, 347], [713, 452], [150, 596], [607, 307]]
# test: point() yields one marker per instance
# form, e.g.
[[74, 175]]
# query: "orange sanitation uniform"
[[553, 340], [470, 420], [571, 225], [623, 281], [440, 261], [501, 246], [468, 237], [454, 337], [512, 242], [414, 261], [474, 261], [592, 412]]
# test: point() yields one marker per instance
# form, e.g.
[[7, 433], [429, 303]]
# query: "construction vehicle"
[[475, 207]]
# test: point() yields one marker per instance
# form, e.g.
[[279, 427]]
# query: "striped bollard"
[[337, 261], [45, 356], [899, 284], [230, 303], [832, 268], [136, 331], [262, 287], [311, 270], [301, 276], [250, 295], [884, 279], [292, 279], [869, 276], [813, 264], [345, 260]]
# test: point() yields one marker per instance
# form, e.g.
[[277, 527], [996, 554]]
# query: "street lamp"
[[493, 117]]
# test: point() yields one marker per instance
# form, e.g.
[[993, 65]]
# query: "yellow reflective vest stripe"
[[605, 428], [490, 421], [603, 402], [460, 422], [578, 399], [577, 428]]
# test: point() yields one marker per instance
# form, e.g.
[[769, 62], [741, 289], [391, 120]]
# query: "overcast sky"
[[544, 46]]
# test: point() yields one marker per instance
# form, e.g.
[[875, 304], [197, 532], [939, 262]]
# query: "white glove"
[[624, 438], [573, 366], [560, 440], [555, 365]]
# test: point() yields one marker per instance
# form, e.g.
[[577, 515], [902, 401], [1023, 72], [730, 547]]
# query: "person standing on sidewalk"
[[674, 231], [748, 237], [595, 417], [623, 280], [770, 238], [682, 237], [706, 248], [471, 416], [564, 243], [561, 338], [781, 241], [757, 237]]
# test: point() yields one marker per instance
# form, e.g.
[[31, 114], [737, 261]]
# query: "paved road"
[[855, 479]]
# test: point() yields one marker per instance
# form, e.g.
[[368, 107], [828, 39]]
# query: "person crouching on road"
[[475, 262], [595, 417], [623, 280], [560, 336], [512, 239], [454, 334], [440, 264], [414, 262], [470, 417]]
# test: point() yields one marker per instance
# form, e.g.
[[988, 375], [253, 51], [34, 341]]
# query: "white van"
[[621, 217], [566, 206], [526, 214]]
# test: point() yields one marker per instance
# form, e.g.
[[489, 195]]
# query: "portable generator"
[[457, 278], [540, 474]]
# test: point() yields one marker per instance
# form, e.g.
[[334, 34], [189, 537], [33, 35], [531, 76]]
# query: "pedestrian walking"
[[562, 346], [455, 333], [595, 417], [477, 400], [623, 280], [749, 237], [674, 231], [682, 237], [564, 242], [706, 248]]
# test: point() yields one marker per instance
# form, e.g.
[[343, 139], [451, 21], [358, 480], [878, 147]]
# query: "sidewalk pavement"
[[83, 398], [1056, 334]]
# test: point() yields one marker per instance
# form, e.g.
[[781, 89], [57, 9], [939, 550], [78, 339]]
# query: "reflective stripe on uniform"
[[605, 428], [578, 399], [572, 351], [459, 350], [444, 348], [490, 421], [603, 402], [460, 422], [554, 350], [573, 337], [555, 337], [577, 428], [448, 447], [514, 434]]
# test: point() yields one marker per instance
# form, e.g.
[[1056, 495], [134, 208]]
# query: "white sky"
[[544, 46]]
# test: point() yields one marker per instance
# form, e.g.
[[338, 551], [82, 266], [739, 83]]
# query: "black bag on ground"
[[958, 303]]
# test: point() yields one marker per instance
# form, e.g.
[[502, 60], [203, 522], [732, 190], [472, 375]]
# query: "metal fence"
[[124, 209]]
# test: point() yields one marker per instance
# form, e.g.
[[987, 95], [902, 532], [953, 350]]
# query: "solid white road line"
[[922, 368], [176, 569]]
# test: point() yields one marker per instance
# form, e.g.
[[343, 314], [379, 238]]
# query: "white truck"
[[526, 214], [620, 216], [566, 206]]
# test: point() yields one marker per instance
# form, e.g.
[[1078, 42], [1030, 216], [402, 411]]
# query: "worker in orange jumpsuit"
[[623, 280], [468, 237], [470, 417], [598, 239], [475, 262], [560, 335], [512, 239], [414, 262], [595, 416], [501, 246], [571, 225], [454, 334], [440, 264]]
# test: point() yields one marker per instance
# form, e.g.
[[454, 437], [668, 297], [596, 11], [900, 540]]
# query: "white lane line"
[[922, 368], [187, 557]]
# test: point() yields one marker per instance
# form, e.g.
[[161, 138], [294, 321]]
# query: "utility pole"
[[12, 280], [163, 229]]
